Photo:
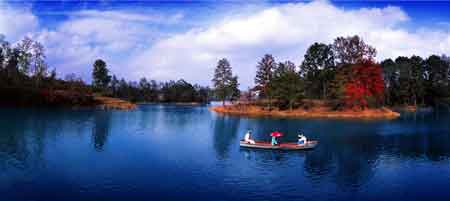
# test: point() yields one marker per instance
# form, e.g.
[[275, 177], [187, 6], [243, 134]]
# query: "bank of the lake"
[[113, 103], [315, 112], [29, 97]]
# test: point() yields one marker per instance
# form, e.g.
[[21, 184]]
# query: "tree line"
[[26, 78], [146, 90], [344, 74]]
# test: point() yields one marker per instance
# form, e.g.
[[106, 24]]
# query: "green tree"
[[114, 85], [390, 76], [405, 88], [318, 69], [145, 89], [11, 67], [264, 75], [100, 76], [222, 80], [4, 49], [352, 49], [287, 85], [38, 63], [337, 85], [437, 79], [25, 47], [235, 93], [417, 81]]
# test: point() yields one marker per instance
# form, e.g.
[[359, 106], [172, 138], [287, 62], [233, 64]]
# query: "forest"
[[344, 75], [26, 79]]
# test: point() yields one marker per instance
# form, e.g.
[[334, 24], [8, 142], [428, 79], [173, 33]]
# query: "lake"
[[166, 152]]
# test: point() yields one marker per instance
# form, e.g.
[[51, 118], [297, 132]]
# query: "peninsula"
[[316, 112]]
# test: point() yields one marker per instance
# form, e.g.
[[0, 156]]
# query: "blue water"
[[163, 152]]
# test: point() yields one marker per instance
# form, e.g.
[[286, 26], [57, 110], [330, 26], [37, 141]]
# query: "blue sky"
[[174, 39]]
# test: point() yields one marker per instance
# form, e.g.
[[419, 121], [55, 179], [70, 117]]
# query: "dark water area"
[[163, 152]]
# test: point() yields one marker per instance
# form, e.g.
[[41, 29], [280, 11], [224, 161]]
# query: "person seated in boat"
[[274, 141], [248, 139], [301, 140]]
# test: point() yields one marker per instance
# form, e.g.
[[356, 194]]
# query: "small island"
[[338, 80], [316, 112]]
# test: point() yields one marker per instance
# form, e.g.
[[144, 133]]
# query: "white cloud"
[[284, 31], [110, 35], [135, 45], [16, 23], [130, 16]]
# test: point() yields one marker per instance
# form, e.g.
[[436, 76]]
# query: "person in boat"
[[301, 140], [247, 138], [274, 141]]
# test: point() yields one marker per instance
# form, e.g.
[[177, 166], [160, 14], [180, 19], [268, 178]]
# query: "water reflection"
[[26, 133], [225, 132], [354, 160], [350, 151], [101, 129], [13, 150], [195, 148]]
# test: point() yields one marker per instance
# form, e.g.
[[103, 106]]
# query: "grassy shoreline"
[[113, 103], [315, 112]]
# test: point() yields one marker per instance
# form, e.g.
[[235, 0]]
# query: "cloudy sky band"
[[185, 41]]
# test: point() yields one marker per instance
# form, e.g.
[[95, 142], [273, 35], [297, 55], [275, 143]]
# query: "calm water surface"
[[162, 152]]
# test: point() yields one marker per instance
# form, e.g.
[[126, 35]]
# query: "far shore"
[[317, 112]]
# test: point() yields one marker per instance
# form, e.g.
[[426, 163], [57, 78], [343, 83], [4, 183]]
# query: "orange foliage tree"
[[365, 84]]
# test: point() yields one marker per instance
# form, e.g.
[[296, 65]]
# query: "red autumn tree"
[[365, 83]]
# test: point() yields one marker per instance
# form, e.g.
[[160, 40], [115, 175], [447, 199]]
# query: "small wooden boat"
[[280, 146]]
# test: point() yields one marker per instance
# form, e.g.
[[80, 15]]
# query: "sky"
[[170, 40]]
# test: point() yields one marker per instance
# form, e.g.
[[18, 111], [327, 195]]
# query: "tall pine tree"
[[224, 82], [264, 75], [100, 75], [287, 85], [318, 69], [234, 89]]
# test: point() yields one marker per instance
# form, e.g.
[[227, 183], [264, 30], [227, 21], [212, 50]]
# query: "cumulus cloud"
[[130, 16], [110, 35], [16, 23], [135, 45], [73, 44], [284, 31]]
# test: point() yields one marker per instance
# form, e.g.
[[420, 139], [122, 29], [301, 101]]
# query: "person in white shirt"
[[301, 139], [247, 138]]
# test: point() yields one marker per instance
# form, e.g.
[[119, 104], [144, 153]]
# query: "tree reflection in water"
[[350, 152], [225, 132], [101, 129]]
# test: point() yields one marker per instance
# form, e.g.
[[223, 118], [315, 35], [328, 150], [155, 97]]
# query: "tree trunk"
[[415, 101]]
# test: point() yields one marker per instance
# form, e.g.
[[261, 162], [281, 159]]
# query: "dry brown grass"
[[114, 103], [318, 111]]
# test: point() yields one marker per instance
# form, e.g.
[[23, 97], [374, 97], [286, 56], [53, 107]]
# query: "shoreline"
[[107, 103], [173, 103], [320, 112], [27, 97]]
